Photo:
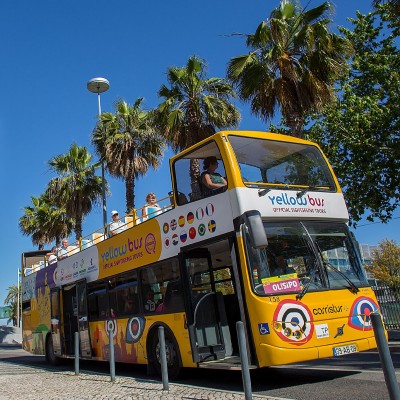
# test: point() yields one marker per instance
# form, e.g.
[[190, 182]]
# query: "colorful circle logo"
[[200, 214], [202, 229], [150, 243], [181, 221], [192, 233], [111, 325], [166, 227], [190, 218], [360, 313], [134, 329], [210, 209], [173, 224], [212, 226], [175, 240], [183, 236], [293, 322]]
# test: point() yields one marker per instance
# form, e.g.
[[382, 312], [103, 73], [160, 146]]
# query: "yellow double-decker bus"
[[269, 247]]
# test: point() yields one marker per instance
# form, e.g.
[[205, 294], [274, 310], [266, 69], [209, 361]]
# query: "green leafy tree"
[[194, 106], [32, 223], [11, 300], [360, 133], [128, 144], [385, 265], [44, 221], [77, 187], [394, 5], [292, 65]]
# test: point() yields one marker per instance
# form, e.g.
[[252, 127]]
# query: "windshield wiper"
[[263, 192], [308, 188], [307, 285], [353, 287]]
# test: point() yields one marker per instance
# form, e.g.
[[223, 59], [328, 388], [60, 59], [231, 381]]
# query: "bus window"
[[97, 301], [223, 281], [188, 172], [161, 288], [123, 295]]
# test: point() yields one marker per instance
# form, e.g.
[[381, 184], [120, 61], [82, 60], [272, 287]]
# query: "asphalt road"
[[351, 377]]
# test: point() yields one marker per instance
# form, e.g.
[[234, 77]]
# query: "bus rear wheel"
[[51, 358], [174, 363]]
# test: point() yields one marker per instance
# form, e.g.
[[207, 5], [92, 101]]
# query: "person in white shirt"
[[63, 250], [52, 256], [116, 226]]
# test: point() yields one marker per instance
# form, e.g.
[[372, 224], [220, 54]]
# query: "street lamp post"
[[100, 85]]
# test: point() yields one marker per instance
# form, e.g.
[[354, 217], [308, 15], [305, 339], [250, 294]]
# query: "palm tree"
[[45, 221], [12, 301], [194, 107], [394, 5], [77, 188], [128, 144], [293, 64]]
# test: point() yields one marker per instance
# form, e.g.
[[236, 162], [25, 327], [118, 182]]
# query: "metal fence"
[[389, 304]]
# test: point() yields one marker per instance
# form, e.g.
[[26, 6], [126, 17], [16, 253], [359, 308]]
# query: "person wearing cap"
[[116, 226]]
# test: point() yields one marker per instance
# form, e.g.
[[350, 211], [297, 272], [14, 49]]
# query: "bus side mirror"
[[256, 229]]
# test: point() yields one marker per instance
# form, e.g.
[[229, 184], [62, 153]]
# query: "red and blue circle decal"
[[173, 224], [134, 329], [210, 209], [175, 239], [360, 313], [183, 236], [293, 322]]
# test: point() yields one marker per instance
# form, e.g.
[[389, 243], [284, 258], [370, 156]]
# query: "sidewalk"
[[44, 384]]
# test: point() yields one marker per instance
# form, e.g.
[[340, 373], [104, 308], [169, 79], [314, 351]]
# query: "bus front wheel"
[[51, 358], [174, 363]]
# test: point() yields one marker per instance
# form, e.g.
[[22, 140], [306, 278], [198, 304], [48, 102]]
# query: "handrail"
[[101, 233]]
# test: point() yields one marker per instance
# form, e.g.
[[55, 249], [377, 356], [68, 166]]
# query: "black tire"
[[51, 358], [174, 362]]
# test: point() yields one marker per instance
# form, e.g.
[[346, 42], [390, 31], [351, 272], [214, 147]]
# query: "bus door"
[[55, 320], [207, 324], [75, 318]]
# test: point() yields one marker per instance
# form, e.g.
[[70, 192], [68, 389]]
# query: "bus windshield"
[[273, 162], [304, 257]]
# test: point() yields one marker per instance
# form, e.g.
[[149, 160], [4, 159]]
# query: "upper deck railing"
[[134, 218]]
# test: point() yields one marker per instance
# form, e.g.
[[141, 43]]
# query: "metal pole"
[[76, 353], [384, 355], [18, 299], [163, 355], [112, 358], [244, 360], [103, 182]]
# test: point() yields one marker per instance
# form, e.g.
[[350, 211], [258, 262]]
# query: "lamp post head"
[[98, 85]]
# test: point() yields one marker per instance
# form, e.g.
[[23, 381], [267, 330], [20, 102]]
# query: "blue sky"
[[49, 50]]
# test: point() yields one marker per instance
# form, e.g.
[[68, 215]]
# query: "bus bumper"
[[272, 355]]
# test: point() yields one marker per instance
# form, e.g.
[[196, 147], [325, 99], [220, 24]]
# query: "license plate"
[[342, 350]]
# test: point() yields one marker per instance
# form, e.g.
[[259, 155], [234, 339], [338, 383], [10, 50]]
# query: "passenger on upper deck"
[[116, 226], [52, 256], [63, 250], [151, 209], [211, 180]]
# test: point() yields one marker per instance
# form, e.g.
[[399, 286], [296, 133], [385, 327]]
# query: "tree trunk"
[[78, 227], [130, 194], [296, 123]]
